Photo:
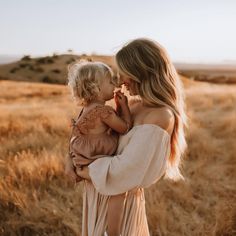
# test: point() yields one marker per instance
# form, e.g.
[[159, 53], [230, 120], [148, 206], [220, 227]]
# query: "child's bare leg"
[[77, 166], [114, 214], [69, 169]]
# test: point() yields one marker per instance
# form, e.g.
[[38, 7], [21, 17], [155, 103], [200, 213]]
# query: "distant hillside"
[[217, 73], [53, 69], [50, 69]]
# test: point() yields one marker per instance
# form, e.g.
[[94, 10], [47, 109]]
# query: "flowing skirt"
[[134, 220]]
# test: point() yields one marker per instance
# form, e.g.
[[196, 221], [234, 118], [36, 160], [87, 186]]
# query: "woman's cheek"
[[131, 87], [133, 90]]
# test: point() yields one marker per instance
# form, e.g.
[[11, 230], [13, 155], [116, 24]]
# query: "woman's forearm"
[[142, 162]]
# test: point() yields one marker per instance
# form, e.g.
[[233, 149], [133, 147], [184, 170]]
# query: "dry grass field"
[[37, 199]]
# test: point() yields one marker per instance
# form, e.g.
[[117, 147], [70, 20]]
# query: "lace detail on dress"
[[88, 121], [106, 111]]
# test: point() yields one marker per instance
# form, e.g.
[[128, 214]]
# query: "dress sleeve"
[[142, 162], [106, 111]]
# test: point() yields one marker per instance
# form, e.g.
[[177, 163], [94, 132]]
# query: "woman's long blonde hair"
[[157, 83]]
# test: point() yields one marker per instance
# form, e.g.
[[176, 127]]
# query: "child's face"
[[107, 88]]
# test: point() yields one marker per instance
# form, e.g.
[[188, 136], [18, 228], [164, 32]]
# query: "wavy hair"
[[84, 79], [157, 83]]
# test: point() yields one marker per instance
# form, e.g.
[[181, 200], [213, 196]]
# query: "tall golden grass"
[[36, 198]]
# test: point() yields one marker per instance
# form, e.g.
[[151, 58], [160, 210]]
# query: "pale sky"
[[190, 30]]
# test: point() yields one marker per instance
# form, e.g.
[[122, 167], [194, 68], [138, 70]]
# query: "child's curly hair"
[[85, 78]]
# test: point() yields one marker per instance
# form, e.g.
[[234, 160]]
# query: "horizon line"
[[186, 61]]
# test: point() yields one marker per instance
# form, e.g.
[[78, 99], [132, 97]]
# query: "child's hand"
[[116, 99], [120, 99], [118, 107]]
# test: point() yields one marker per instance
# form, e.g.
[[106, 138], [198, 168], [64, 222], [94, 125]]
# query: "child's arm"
[[122, 123], [123, 108]]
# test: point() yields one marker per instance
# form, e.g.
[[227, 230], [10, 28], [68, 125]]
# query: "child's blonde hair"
[[85, 78]]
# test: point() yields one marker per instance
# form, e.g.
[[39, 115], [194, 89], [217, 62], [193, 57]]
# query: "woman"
[[152, 149]]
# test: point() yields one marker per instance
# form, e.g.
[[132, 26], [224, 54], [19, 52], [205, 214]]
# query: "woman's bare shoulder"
[[162, 117]]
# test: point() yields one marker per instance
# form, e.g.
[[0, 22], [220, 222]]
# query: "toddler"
[[96, 130]]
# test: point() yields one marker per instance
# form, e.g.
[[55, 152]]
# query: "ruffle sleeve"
[[88, 121], [106, 111], [142, 162]]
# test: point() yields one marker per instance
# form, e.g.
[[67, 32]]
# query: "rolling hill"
[[53, 69]]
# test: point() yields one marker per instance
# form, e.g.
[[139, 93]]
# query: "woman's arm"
[[142, 162], [163, 118]]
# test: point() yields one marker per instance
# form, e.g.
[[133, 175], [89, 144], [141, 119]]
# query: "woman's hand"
[[83, 173]]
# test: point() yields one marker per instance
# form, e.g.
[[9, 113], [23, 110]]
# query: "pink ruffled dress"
[[85, 146]]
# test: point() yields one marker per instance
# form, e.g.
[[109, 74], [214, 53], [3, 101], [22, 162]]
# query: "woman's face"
[[128, 83]]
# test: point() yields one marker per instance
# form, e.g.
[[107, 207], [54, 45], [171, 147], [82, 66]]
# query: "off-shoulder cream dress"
[[141, 160]]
